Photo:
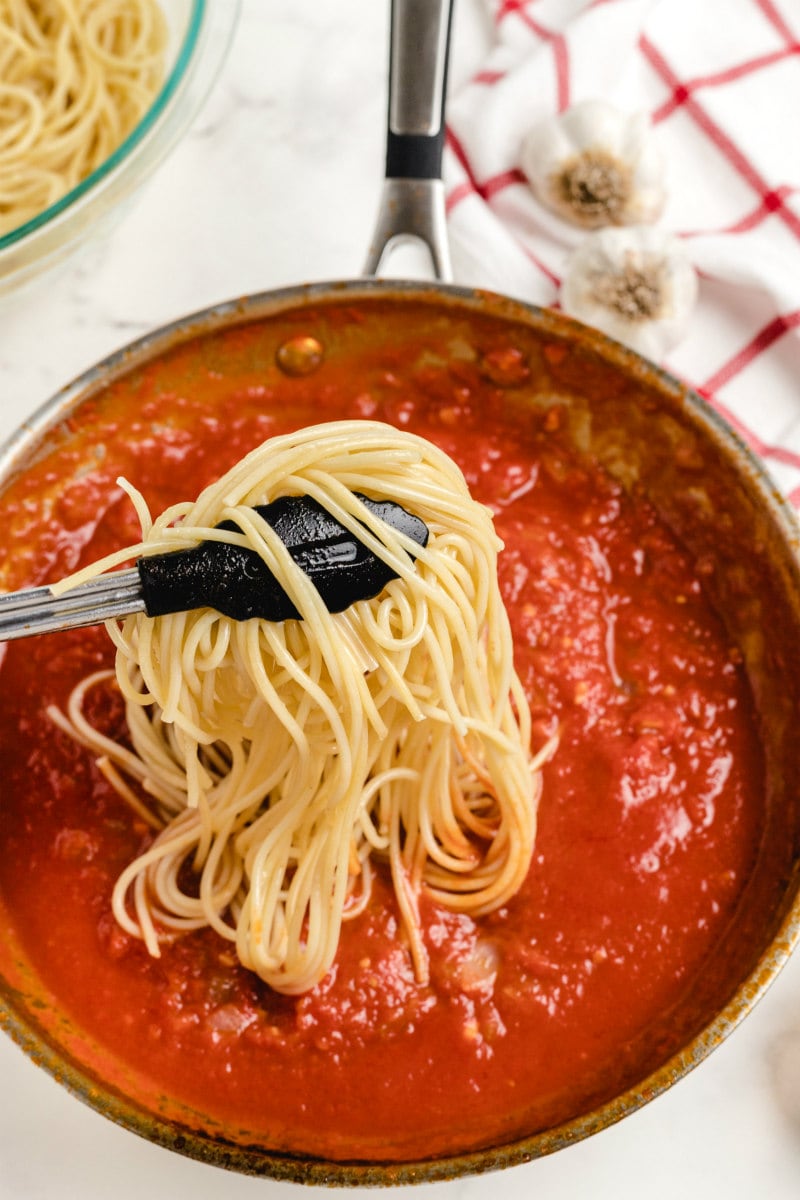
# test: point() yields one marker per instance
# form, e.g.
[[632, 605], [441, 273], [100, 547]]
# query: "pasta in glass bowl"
[[90, 104]]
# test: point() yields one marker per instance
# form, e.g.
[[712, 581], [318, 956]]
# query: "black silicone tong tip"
[[235, 581]]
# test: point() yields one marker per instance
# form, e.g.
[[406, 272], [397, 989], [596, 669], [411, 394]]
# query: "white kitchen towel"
[[720, 82]]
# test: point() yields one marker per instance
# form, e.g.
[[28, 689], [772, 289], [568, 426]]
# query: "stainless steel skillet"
[[652, 433]]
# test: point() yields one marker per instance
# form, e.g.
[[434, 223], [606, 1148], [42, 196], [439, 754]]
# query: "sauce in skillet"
[[650, 816]]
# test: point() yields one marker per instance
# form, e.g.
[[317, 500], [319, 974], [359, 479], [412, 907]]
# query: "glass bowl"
[[199, 36]]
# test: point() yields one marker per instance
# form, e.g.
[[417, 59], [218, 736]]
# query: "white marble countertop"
[[278, 183]]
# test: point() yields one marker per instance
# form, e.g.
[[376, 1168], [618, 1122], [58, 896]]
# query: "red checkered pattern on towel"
[[721, 82]]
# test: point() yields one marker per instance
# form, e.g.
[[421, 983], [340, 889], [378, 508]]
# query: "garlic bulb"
[[594, 166], [637, 285]]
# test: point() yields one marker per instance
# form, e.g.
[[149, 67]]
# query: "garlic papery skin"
[[637, 285], [595, 166]]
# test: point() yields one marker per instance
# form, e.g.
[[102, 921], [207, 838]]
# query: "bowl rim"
[[296, 1167]]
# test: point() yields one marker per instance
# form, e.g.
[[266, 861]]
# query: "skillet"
[[650, 432]]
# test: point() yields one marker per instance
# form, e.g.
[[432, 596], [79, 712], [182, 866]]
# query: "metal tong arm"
[[37, 610]]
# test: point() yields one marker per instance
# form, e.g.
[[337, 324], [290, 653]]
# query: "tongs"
[[232, 579]]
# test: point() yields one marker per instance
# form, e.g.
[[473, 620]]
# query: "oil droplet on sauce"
[[300, 355]]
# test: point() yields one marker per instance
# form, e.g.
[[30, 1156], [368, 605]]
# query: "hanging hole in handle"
[[411, 210], [406, 257]]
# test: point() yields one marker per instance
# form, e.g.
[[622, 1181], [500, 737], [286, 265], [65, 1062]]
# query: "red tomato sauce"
[[649, 822]]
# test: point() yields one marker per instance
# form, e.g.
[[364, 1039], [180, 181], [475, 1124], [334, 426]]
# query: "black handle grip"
[[236, 581], [414, 156]]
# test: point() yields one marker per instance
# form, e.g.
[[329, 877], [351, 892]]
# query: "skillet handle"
[[412, 201]]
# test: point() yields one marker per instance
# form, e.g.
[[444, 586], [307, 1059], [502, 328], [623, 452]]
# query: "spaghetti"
[[277, 763], [76, 76]]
